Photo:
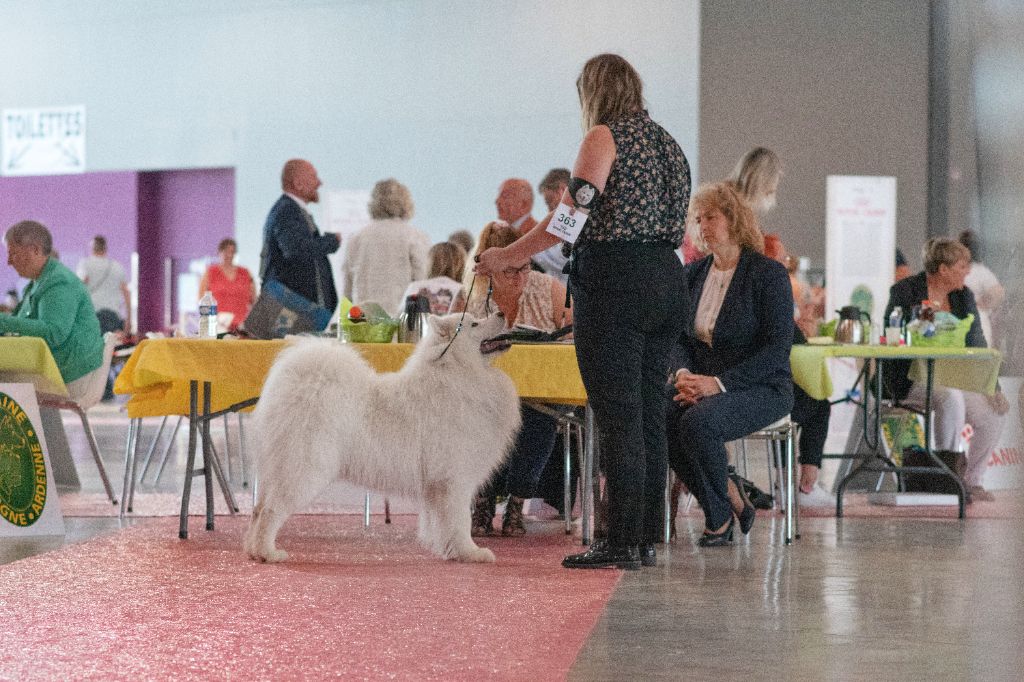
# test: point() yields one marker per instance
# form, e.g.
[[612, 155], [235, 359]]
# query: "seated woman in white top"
[[533, 299], [442, 286]]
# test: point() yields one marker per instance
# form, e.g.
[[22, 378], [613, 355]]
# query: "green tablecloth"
[[969, 369]]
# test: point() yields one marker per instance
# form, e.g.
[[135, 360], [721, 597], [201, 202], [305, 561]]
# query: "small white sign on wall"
[[28, 493], [47, 141], [860, 245], [346, 211]]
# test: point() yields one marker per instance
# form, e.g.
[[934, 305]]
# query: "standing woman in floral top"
[[629, 296]]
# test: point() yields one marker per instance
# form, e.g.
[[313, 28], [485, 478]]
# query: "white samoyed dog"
[[434, 431]]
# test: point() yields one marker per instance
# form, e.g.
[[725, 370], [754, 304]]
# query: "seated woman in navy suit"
[[731, 372]]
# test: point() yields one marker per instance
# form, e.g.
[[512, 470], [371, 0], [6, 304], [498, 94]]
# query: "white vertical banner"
[[860, 244], [1005, 467], [49, 141], [346, 211], [28, 493]]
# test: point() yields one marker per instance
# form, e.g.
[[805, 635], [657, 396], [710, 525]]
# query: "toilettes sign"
[[49, 141]]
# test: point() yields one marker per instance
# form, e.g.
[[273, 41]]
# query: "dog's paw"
[[479, 555], [272, 556]]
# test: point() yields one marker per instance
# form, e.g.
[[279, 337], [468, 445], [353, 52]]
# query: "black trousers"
[[519, 474], [697, 435], [813, 417], [630, 304], [110, 321]]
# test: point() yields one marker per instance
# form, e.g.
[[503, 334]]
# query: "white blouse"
[[715, 287]]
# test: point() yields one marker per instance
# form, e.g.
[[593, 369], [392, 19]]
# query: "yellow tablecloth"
[[27, 359], [158, 373], [969, 369]]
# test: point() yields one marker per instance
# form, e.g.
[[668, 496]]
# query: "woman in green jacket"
[[55, 305]]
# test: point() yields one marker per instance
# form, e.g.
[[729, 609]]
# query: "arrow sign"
[[46, 141]]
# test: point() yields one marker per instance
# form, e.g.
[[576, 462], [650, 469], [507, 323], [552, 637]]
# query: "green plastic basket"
[[946, 338], [367, 332]]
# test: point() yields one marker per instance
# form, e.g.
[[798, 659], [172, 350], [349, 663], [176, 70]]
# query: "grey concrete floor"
[[853, 599], [879, 598]]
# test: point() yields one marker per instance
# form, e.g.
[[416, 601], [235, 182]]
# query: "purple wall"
[[179, 214], [75, 208], [183, 214]]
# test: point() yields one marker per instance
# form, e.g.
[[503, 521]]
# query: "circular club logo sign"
[[22, 467]]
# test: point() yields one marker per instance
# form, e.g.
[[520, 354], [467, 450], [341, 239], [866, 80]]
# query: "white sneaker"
[[818, 497], [537, 508]]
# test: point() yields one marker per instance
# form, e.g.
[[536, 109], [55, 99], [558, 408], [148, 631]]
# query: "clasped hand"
[[693, 387], [490, 261]]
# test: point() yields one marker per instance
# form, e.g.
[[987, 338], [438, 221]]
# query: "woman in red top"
[[230, 284]]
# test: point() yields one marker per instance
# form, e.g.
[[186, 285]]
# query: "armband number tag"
[[567, 222]]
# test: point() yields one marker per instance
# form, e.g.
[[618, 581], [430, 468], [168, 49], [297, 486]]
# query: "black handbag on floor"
[[914, 456]]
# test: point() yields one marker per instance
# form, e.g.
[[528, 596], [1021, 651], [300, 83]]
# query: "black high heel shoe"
[[747, 516], [722, 539]]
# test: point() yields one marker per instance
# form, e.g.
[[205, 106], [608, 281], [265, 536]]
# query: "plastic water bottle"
[[896, 317], [208, 316]]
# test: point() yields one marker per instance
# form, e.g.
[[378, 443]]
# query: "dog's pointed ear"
[[440, 326]]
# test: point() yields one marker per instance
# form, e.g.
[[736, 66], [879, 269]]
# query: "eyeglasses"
[[512, 272]]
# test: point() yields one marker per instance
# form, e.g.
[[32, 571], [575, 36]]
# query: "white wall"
[[449, 97]]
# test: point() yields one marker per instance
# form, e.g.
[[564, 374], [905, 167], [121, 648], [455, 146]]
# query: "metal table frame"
[[876, 461], [198, 428]]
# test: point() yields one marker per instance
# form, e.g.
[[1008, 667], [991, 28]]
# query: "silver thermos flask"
[[413, 320]]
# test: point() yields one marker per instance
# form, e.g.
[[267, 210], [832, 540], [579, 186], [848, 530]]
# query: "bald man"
[[294, 251], [514, 203]]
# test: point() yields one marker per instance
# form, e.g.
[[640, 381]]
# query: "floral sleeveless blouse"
[[534, 303], [648, 188]]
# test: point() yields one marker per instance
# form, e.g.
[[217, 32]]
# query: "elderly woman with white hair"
[[385, 256]]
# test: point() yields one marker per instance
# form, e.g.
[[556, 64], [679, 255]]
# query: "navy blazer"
[[754, 330], [907, 293], [295, 253]]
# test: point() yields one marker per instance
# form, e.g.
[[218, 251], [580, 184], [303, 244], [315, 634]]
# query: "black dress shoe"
[[749, 514], [603, 555], [648, 555], [723, 539]]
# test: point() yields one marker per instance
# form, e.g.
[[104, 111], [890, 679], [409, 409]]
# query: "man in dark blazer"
[[294, 251]]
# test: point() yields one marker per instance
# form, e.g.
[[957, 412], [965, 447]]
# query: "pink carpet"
[[169, 504], [349, 603]]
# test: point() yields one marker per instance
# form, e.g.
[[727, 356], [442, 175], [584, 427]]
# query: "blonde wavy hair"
[[390, 199], [609, 88], [743, 226]]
